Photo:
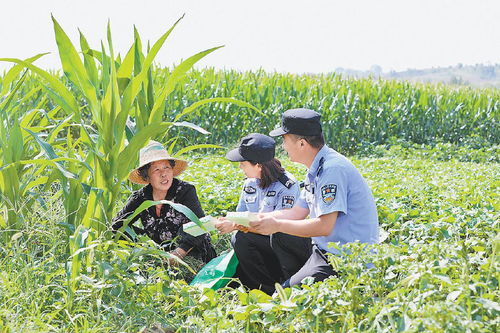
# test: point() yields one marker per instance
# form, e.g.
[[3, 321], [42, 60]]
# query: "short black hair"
[[316, 141], [143, 170]]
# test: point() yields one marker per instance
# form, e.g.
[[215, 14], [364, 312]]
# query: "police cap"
[[299, 121], [253, 147]]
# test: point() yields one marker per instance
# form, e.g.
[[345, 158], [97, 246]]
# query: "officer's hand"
[[224, 226], [265, 225], [242, 228]]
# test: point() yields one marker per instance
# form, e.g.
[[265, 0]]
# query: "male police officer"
[[336, 197]]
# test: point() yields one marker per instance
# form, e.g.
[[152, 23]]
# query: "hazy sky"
[[293, 36]]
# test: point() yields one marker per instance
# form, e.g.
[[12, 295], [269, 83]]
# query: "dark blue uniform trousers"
[[314, 264], [279, 258], [260, 266]]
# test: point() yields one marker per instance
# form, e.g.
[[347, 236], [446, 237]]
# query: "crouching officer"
[[337, 199], [268, 187]]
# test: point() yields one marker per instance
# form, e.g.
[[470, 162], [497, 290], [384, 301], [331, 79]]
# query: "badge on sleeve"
[[249, 189], [250, 199], [328, 193], [288, 201]]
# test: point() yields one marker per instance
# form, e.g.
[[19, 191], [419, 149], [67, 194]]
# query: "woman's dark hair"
[[143, 170], [271, 171]]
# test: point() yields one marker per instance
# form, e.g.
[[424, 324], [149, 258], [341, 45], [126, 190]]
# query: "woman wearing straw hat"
[[267, 188], [157, 170]]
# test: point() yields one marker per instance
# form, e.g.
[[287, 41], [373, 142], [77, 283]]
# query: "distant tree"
[[458, 80], [376, 69], [487, 72]]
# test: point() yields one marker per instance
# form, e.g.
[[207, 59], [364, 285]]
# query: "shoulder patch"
[[250, 199], [328, 193], [250, 189], [271, 193], [288, 201]]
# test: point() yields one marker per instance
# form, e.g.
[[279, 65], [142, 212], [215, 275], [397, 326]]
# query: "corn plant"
[[356, 113], [118, 113], [22, 174]]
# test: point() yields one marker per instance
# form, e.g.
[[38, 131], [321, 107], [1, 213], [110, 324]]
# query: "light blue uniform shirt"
[[333, 184], [275, 197]]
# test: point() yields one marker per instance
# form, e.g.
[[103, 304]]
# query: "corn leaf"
[[193, 147], [11, 75], [66, 100], [73, 66], [177, 74], [135, 84], [195, 105]]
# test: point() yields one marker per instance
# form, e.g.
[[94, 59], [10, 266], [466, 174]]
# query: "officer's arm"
[[315, 227], [294, 213]]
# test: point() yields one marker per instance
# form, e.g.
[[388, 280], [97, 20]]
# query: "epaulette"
[[287, 182], [320, 166]]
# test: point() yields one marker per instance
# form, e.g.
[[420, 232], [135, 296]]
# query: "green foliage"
[[117, 109], [356, 113], [436, 270]]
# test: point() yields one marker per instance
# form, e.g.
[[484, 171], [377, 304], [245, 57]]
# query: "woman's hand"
[[224, 226], [179, 253]]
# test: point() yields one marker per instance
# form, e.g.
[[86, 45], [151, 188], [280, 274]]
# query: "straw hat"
[[155, 151]]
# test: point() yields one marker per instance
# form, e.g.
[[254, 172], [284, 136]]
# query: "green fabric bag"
[[217, 272]]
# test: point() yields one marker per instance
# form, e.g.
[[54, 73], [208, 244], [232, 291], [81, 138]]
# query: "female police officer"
[[267, 188], [336, 197]]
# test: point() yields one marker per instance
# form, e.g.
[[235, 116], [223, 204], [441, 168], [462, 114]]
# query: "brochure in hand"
[[194, 230], [243, 218]]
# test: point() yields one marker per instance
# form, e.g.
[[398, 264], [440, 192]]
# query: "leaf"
[[177, 206], [135, 84], [50, 153], [383, 235], [4, 105], [73, 66], [16, 236], [197, 104], [34, 183], [443, 278], [88, 60], [3, 223], [126, 68], [67, 100], [14, 71], [489, 304], [192, 126], [453, 295], [15, 143], [176, 75], [100, 56], [60, 126], [193, 147]]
